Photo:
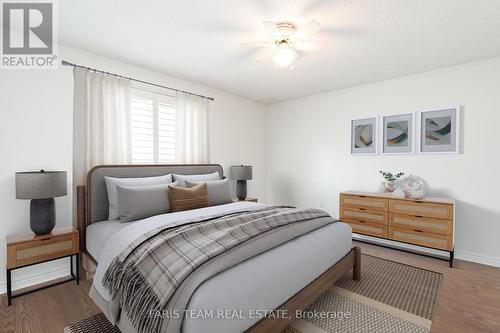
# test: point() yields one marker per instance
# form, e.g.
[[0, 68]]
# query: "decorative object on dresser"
[[27, 249], [428, 222], [41, 187], [241, 173], [364, 136], [399, 194], [390, 180], [413, 187]]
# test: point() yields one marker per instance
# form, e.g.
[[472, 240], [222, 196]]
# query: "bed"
[[324, 254]]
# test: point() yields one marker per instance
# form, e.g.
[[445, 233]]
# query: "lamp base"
[[241, 189], [42, 215]]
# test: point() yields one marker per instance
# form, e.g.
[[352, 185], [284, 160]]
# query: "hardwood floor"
[[48, 310], [468, 301]]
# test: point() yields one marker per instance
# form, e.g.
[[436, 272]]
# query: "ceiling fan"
[[287, 39]]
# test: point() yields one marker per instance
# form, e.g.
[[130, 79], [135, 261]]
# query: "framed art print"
[[398, 133], [364, 136], [439, 131]]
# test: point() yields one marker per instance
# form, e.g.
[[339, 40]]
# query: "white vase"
[[382, 188], [390, 186]]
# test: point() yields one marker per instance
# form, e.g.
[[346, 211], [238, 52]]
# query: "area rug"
[[390, 298], [96, 324]]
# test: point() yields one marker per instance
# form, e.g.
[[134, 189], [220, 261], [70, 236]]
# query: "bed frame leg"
[[356, 270]]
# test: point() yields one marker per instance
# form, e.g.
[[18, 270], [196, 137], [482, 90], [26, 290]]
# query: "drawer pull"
[[362, 196], [417, 230], [418, 201], [362, 221], [362, 208], [419, 216]]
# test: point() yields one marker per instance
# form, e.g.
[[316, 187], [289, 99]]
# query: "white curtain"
[[192, 129], [101, 122]]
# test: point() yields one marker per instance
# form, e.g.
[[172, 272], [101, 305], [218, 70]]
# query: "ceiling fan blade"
[[272, 29], [310, 45], [257, 44], [309, 29], [266, 56]]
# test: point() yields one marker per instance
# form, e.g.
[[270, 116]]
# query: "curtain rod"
[[66, 63]]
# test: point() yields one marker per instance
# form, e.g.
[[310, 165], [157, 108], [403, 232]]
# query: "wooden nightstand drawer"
[[420, 208], [438, 226], [363, 216], [26, 251], [369, 229], [420, 237], [361, 201], [30, 249]]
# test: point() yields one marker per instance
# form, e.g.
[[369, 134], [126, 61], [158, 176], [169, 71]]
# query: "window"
[[153, 122]]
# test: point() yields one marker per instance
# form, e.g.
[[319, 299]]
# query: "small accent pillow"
[[112, 183], [219, 192], [183, 198], [195, 178], [140, 202]]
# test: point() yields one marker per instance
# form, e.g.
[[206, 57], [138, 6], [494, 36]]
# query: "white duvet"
[[260, 283]]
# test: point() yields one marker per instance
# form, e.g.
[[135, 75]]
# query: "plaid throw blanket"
[[147, 273]]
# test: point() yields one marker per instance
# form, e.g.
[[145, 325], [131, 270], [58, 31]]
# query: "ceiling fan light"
[[285, 57]]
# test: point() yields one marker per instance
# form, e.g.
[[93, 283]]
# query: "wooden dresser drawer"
[[364, 216], [39, 250], [421, 238], [438, 226], [369, 229], [420, 208], [362, 201]]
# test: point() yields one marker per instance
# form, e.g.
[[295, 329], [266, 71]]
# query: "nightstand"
[[247, 199], [29, 249]]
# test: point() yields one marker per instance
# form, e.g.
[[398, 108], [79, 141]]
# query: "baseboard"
[[32, 279], [480, 259]]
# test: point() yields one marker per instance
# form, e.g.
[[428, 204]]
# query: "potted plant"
[[390, 180]]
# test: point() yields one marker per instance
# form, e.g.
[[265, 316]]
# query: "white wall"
[[309, 143], [36, 132]]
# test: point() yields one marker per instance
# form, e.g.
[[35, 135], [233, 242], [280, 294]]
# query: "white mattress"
[[260, 283]]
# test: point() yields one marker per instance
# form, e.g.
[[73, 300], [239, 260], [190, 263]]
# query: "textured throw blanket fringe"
[[147, 273]]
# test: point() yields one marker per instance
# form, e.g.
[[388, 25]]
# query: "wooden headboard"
[[92, 199]]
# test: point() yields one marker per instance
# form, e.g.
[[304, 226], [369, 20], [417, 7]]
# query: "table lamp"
[[41, 187], [241, 173]]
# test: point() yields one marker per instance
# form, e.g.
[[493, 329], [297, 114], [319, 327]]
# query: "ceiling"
[[367, 40]]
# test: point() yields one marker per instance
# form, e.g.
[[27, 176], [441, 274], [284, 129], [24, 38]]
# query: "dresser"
[[427, 222]]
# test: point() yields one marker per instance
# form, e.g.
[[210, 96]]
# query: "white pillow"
[[195, 178], [112, 183], [219, 192]]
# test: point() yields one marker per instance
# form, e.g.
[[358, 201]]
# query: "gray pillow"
[[219, 192], [195, 178], [142, 201], [112, 183]]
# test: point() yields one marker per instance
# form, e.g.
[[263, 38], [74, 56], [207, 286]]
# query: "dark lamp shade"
[[241, 172], [41, 184]]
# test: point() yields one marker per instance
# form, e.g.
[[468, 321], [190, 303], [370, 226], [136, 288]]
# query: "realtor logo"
[[28, 35]]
